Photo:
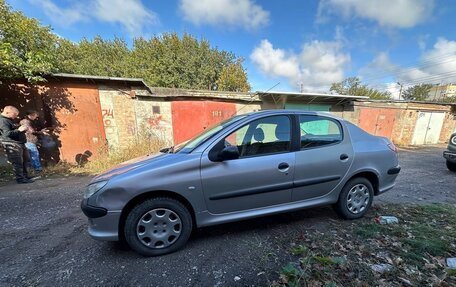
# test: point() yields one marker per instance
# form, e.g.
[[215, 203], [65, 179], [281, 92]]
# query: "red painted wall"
[[191, 117]]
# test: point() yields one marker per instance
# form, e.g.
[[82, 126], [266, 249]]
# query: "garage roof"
[[310, 97]]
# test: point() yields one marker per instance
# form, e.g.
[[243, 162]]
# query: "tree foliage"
[[170, 61], [27, 49], [353, 86], [233, 78], [162, 61], [417, 92], [97, 57]]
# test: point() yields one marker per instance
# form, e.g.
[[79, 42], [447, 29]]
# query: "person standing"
[[13, 139], [32, 139]]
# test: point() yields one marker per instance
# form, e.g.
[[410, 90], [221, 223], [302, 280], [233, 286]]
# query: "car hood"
[[130, 165]]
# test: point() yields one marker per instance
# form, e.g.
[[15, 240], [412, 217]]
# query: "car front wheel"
[[355, 198], [158, 226], [451, 165]]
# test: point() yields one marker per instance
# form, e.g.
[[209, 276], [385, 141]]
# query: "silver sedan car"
[[248, 166]]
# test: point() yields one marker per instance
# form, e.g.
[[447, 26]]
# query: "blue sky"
[[301, 44]]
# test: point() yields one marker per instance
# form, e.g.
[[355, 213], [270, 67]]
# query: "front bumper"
[[449, 155], [103, 224]]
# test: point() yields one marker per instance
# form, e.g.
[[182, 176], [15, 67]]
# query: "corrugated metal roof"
[[306, 95], [91, 77]]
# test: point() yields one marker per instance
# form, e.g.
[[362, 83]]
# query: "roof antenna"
[[252, 98]]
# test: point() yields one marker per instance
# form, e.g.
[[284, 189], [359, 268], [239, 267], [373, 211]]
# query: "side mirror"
[[229, 152]]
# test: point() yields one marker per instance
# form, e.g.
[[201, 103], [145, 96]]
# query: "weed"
[[324, 260], [369, 230], [292, 274], [299, 249]]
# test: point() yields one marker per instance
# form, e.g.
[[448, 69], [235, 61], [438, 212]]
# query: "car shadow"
[[307, 217], [282, 223]]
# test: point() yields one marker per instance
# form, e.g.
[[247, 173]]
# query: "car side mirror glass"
[[229, 152]]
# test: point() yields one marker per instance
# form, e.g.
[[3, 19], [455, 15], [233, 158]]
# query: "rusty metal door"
[[76, 113], [379, 122], [191, 117]]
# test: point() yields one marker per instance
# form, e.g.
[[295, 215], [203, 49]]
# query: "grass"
[[140, 146], [106, 159], [416, 248]]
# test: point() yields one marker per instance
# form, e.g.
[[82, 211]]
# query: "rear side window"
[[319, 131]]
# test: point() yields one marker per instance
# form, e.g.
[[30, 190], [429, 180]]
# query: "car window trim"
[[291, 118], [298, 131]]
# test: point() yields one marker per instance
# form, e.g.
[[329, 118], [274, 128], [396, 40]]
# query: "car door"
[[261, 176], [324, 157]]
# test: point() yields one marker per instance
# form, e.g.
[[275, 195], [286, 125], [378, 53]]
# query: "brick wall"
[[247, 108], [125, 117], [154, 116], [448, 128]]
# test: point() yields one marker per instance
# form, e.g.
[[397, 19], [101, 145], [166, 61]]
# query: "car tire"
[[158, 226], [451, 165], [355, 198]]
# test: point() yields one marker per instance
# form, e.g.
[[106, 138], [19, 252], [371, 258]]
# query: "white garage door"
[[427, 128]]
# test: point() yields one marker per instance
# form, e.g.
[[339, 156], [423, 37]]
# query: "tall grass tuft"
[[107, 158]]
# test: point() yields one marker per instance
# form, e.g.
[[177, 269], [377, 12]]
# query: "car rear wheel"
[[355, 198], [158, 226], [451, 165]]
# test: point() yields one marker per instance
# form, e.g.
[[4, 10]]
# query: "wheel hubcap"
[[358, 198], [159, 228]]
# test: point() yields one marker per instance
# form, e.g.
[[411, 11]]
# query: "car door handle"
[[283, 166], [343, 156]]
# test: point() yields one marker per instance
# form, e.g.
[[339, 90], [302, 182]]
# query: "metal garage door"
[[379, 122], [191, 117], [427, 128]]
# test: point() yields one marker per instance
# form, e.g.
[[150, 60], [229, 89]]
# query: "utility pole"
[[400, 90]]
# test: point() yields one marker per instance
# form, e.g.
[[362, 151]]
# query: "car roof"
[[300, 112]]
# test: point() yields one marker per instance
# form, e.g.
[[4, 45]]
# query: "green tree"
[[417, 92], [97, 57], [353, 86], [27, 49], [233, 78], [171, 61]]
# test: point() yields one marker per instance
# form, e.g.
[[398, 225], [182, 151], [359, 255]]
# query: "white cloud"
[[236, 13], [315, 67], [64, 16], [275, 62], [132, 15], [392, 13], [437, 65], [129, 13]]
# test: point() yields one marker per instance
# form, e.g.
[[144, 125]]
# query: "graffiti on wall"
[[157, 121], [108, 116]]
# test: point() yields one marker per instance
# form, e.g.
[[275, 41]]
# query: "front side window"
[[319, 131], [188, 146], [264, 136]]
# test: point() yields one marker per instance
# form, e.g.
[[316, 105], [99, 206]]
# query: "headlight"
[[453, 140], [94, 187]]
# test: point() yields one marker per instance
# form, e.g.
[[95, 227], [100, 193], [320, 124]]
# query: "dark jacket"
[[9, 131]]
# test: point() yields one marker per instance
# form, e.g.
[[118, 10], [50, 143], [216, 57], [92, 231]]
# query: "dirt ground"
[[43, 238]]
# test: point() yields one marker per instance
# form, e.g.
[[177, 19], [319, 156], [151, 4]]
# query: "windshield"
[[191, 144]]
